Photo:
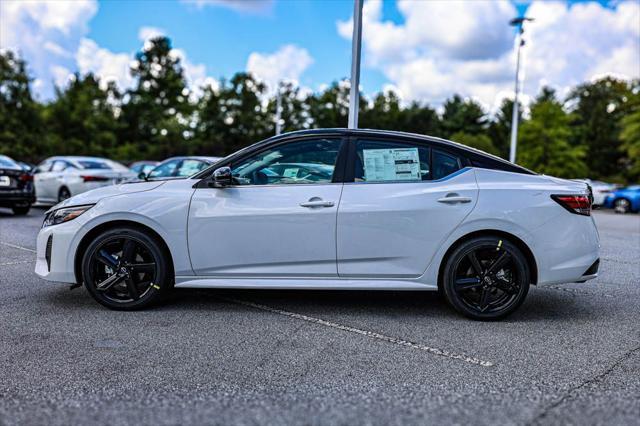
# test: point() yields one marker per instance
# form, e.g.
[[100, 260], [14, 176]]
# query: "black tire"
[[124, 278], [21, 210], [63, 194], [622, 205], [486, 278]]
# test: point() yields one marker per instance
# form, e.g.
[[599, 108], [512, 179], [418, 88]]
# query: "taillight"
[[578, 204], [94, 178], [25, 177]]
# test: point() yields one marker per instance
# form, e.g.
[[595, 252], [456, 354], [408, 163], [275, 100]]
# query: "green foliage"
[[481, 142], [544, 141], [595, 133], [21, 126]]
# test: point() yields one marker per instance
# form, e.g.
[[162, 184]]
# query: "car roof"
[[193, 157], [468, 151], [77, 158]]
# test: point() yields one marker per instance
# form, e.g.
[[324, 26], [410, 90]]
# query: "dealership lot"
[[571, 354]]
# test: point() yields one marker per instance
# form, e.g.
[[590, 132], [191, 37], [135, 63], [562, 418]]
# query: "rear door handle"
[[454, 200], [316, 202]]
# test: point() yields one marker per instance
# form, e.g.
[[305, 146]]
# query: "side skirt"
[[301, 284]]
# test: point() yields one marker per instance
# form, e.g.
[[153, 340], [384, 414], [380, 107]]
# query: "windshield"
[[94, 164]]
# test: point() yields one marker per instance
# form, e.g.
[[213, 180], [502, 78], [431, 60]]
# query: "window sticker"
[[382, 165], [291, 172]]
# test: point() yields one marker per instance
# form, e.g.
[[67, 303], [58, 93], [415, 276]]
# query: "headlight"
[[64, 215]]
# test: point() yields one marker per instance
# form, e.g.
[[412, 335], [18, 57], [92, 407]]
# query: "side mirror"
[[142, 176], [222, 177]]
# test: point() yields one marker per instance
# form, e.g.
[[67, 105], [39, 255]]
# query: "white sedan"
[[58, 178], [398, 212]]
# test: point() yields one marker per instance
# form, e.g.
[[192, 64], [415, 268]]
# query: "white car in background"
[[599, 190], [59, 178], [397, 211]]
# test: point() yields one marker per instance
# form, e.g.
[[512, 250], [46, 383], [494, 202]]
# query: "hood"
[[95, 195]]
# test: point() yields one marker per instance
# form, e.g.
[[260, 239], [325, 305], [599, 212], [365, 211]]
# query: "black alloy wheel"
[[126, 269], [486, 278]]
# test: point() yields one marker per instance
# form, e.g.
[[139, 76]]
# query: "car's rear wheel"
[[622, 205], [486, 278], [126, 269], [21, 210], [63, 194]]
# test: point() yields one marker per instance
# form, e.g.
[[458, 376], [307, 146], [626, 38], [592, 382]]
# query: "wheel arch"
[[97, 230], [524, 248]]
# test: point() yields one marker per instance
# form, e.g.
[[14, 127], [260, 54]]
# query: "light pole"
[[356, 46], [519, 23]]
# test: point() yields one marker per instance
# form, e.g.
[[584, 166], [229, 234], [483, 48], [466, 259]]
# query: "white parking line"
[[16, 263], [17, 247], [370, 334]]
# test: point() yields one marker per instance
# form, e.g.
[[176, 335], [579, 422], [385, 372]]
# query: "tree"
[[544, 143], [481, 142], [598, 108], [463, 116], [82, 118], [158, 112], [21, 127], [330, 108], [630, 135], [295, 114]]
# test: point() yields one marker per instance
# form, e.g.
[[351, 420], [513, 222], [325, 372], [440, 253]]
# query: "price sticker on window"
[[396, 164]]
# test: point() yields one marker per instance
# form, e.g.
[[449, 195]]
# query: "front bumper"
[[55, 253]]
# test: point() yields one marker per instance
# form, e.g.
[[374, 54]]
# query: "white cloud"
[[45, 33], [287, 63], [148, 33], [108, 66], [466, 47], [251, 6], [61, 75]]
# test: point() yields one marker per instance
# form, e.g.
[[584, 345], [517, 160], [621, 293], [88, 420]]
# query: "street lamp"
[[518, 23], [356, 45]]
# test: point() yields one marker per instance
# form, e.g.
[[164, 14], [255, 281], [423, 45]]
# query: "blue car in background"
[[624, 200]]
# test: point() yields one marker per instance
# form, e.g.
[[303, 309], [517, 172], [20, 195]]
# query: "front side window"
[[59, 166], [301, 162], [391, 161]]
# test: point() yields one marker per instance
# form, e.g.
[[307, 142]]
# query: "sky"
[[425, 50]]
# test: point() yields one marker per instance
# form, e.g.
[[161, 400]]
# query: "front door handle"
[[316, 202], [454, 200]]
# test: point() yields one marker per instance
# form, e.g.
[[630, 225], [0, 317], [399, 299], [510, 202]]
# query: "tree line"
[[593, 132]]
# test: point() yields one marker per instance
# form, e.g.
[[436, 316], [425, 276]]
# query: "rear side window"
[[391, 161], [444, 164], [94, 165]]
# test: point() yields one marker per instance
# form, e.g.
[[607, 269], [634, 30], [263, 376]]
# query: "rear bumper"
[[10, 198]]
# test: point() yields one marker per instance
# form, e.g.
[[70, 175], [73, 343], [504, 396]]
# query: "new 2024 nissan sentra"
[[330, 209]]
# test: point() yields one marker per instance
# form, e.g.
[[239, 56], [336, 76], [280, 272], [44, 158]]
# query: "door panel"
[[394, 229], [264, 230]]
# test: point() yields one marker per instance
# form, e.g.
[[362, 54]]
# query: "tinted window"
[[166, 169], [58, 166], [8, 162], [93, 164], [300, 162], [390, 161], [191, 167], [444, 164]]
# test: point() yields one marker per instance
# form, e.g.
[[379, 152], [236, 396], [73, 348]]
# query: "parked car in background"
[[142, 167], [398, 212], [16, 186], [26, 166], [599, 189], [58, 178], [179, 167], [624, 200]]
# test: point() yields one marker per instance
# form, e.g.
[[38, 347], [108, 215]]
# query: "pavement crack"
[[366, 333], [574, 389], [573, 290]]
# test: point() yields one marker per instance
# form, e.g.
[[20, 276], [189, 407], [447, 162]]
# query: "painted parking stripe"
[[16, 263], [17, 247], [370, 334]]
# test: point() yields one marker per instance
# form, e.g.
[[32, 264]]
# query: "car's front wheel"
[[126, 269], [486, 278]]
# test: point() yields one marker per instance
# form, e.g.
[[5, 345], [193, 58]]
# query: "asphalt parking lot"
[[570, 355]]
